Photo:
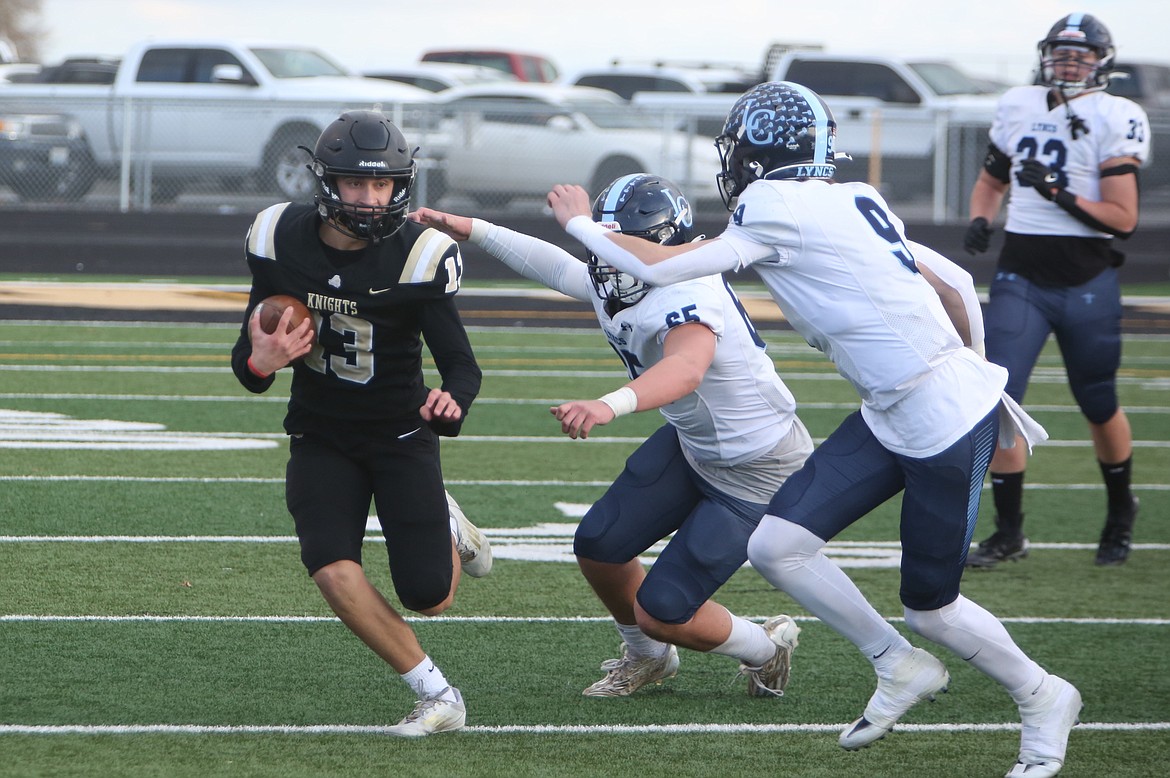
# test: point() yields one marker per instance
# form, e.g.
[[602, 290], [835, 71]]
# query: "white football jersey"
[[1025, 127], [740, 411], [835, 260], [741, 408]]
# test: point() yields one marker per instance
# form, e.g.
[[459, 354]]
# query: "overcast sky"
[[994, 38]]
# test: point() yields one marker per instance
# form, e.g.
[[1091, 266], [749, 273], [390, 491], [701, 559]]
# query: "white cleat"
[[770, 678], [432, 716], [918, 677], [1047, 719], [475, 550], [628, 674]]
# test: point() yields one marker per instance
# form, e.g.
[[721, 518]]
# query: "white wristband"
[[621, 402]]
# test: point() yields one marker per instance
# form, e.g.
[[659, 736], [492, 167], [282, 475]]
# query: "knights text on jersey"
[[372, 312], [741, 409], [1026, 128]]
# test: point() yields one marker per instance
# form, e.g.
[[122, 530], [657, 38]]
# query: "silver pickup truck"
[[181, 110]]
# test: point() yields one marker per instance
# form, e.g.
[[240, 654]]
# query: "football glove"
[[1039, 176], [978, 237]]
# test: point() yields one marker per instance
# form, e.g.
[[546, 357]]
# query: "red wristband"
[[256, 372]]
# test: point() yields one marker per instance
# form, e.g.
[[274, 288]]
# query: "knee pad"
[[1097, 398], [668, 601], [593, 539], [930, 624], [778, 545]]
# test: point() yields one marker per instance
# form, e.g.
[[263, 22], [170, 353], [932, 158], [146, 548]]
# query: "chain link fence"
[[487, 158]]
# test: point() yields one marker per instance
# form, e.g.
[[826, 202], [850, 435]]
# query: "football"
[[270, 310]]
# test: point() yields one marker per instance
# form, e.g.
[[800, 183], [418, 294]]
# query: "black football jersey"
[[372, 310]]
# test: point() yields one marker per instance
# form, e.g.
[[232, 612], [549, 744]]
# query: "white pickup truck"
[[185, 110], [891, 114]]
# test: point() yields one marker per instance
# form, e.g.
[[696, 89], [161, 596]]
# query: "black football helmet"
[[648, 207], [1083, 31], [365, 144], [776, 130]]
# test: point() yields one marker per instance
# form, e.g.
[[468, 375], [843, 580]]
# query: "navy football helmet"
[[776, 130], [648, 207], [1082, 31], [365, 144]]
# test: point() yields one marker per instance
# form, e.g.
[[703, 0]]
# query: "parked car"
[[498, 142], [79, 70], [45, 157], [216, 109], [437, 76], [1146, 83], [17, 72], [523, 67], [627, 80]]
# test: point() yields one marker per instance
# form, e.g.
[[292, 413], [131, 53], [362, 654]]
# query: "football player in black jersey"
[[362, 422]]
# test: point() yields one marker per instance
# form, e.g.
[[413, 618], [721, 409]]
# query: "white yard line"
[[541, 729], [139, 618]]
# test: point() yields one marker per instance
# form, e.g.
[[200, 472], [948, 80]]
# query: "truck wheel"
[[286, 170], [610, 169], [68, 184]]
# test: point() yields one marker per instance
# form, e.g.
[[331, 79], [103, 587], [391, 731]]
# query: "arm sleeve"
[[710, 257], [961, 281], [534, 259], [445, 336]]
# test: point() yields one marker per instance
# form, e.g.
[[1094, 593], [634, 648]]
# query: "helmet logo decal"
[[682, 209], [760, 124]]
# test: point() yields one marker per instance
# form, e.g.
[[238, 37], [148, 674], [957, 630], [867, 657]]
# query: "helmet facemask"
[[1056, 61], [1069, 38]]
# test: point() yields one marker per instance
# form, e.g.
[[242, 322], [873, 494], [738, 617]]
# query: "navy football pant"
[[851, 473], [1086, 321], [656, 494]]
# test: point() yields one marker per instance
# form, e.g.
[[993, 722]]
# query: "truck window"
[[206, 59], [168, 66], [852, 79], [184, 66], [537, 69], [625, 85]]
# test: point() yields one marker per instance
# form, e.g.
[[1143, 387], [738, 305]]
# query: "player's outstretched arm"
[[456, 227]]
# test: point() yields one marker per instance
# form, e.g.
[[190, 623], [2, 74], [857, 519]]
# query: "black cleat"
[[1000, 547], [1115, 538]]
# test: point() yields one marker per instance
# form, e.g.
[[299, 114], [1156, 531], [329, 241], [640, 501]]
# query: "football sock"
[[885, 654], [638, 642], [978, 638], [1117, 480], [748, 642], [425, 679], [1007, 489], [789, 557]]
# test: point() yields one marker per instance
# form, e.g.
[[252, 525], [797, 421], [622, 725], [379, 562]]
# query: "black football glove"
[[1039, 176], [978, 237]]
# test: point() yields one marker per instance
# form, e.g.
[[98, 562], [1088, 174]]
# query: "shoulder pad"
[[261, 235], [427, 258]]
